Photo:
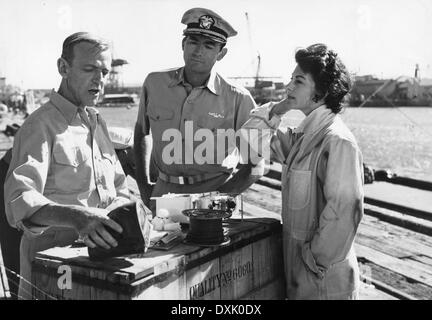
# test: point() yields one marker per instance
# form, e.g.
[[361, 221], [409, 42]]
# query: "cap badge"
[[206, 22]]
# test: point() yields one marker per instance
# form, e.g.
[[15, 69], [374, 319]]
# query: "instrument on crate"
[[206, 219]]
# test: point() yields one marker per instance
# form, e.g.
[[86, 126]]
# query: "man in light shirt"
[[64, 176], [193, 100]]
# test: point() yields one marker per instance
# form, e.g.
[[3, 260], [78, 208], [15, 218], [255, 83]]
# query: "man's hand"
[[91, 226], [280, 108], [90, 223]]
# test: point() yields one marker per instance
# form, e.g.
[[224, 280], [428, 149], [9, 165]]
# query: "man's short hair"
[[78, 37]]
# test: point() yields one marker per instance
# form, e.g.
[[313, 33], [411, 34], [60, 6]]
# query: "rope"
[[28, 282]]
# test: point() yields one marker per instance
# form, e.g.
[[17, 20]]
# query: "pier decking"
[[394, 249]]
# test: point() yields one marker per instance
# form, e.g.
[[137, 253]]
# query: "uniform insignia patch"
[[216, 115], [206, 21]]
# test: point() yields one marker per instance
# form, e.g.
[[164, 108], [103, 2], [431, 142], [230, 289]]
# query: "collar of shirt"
[[315, 120], [67, 108], [213, 83]]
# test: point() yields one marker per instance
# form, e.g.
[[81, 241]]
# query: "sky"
[[385, 38]]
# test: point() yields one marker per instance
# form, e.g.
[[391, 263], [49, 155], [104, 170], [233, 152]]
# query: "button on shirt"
[[59, 158], [169, 102]]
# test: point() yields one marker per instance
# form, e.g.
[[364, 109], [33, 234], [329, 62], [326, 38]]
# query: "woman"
[[322, 178]]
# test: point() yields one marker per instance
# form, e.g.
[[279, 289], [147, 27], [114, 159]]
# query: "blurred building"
[[369, 91]]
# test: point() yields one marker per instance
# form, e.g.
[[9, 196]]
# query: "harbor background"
[[397, 139], [385, 44]]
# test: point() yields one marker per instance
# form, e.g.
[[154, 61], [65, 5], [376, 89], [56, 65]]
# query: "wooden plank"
[[370, 292], [167, 283], [380, 244], [406, 239], [267, 260], [238, 266], [418, 263], [274, 290], [388, 228], [121, 269], [426, 261], [172, 288], [205, 281], [400, 295], [406, 196], [98, 293], [403, 220], [394, 280], [264, 198], [397, 265], [187, 271], [45, 286], [133, 267], [388, 243], [251, 210]]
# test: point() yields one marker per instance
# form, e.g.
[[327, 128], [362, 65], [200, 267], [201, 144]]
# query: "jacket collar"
[[316, 120], [314, 127]]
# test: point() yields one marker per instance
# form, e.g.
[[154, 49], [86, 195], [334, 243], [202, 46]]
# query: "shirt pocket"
[[70, 172], [299, 189], [107, 165], [160, 120], [301, 221], [160, 114], [69, 156]]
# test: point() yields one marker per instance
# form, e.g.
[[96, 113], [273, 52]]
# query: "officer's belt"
[[190, 179]]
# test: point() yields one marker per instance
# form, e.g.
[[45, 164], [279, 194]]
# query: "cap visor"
[[200, 33]]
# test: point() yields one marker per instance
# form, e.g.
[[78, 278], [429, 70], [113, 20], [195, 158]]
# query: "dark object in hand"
[[11, 130], [134, 218]]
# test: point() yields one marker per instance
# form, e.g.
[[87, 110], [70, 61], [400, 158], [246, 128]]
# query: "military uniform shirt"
[[169, 102], [64, 157]]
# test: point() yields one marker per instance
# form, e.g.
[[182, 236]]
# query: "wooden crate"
[[249, 267]]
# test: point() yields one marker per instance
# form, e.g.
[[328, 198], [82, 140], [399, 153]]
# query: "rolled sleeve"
[[246, 105], [264, 138], [26, 177]]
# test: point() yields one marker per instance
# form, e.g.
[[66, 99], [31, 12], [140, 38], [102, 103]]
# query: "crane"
[[114, 75]]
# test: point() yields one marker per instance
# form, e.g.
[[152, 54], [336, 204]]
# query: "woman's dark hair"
[[331, 77]]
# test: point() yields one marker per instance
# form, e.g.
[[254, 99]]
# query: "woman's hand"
[[280, 108]]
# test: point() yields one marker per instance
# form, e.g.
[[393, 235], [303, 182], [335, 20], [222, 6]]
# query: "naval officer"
[[201, 106]]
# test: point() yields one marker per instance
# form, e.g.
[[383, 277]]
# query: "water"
[[398, 139]]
